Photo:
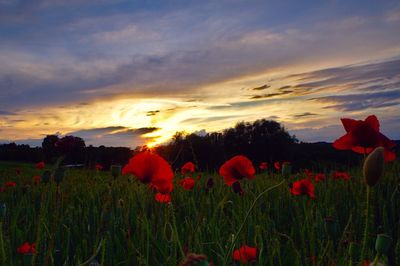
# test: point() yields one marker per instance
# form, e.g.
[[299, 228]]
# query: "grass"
[[91, 217]]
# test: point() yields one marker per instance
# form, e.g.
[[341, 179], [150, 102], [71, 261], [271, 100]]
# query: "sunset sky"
[[125, 73]]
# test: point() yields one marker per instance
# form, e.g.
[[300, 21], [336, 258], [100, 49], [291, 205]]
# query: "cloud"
[[304, 115], [263, 87], [114, 136], [357, 102]]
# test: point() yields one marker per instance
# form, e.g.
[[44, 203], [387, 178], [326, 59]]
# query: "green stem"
[[377, 257], [366, 229], [245, 219], [176, 231]]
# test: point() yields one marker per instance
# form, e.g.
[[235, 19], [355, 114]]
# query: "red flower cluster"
[[341, 175], [303, 187], [40, 165], [187, 183], [188, 167], [151, 169], [237, 168], [320, 177], [10, 184], [98, 167], [37, 179], [263, 166], [364, 136], [245, 254], [163, 198], [27, 248]]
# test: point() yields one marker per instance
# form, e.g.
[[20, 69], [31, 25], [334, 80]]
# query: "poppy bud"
[[373, 166], [46, 176], [195, 260], [331, 227], [237, 188], [210, 183], [286, 169], [382, 243], [58, 175], [3, 209], [115, 170]]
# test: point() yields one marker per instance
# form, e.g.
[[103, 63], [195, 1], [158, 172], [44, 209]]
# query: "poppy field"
[[147, 213]]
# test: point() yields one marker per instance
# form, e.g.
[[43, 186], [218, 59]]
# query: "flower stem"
[[366, 229], [245, 219]]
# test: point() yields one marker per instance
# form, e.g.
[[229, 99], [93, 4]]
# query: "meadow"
[[90, 218]]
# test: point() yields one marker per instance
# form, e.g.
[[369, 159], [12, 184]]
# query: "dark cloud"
[[270, 95], [362, 74], [304, 115], [152, 113], [263, 87], [114, 136], [358, 102], [6, 113]]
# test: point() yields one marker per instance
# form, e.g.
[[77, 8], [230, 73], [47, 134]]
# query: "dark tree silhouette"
[[50, 151]]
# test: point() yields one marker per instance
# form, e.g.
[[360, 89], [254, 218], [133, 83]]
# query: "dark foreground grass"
[[91, 217]]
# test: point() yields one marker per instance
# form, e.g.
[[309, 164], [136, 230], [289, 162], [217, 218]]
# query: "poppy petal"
[[348, 124], [373, 122]]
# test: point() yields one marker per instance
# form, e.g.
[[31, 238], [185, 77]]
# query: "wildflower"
[[237, 168], [245, 254], [364, 136], [151, 169], [40, 165], [319, 177], [10, 184], [37, 179], [263, 166], [99, 167], [27, 248], [277, 166], [163, 198], [188, 167], [193, 259], [303, 187], [341, 175], [187, 183]]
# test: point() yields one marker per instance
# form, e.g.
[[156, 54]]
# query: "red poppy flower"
[[10, 184], [40, 165], [320, 177], [303, 187], [237, 168], [163, 198], [151, 169], [364, 136], [98, 167], [17, 171], [188, 167], [341, 175], [27, 248], [277, 166], [263, 166], [37, 179], [187, 183], [245, 254]]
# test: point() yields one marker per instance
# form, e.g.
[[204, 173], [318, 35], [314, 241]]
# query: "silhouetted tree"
[[49, 149]]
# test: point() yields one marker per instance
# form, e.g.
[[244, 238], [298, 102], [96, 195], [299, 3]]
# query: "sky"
[[128, 73]]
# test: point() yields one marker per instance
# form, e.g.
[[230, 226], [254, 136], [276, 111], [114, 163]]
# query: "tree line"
[[261, 141]]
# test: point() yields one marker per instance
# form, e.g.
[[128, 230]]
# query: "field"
[[92, 219]]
